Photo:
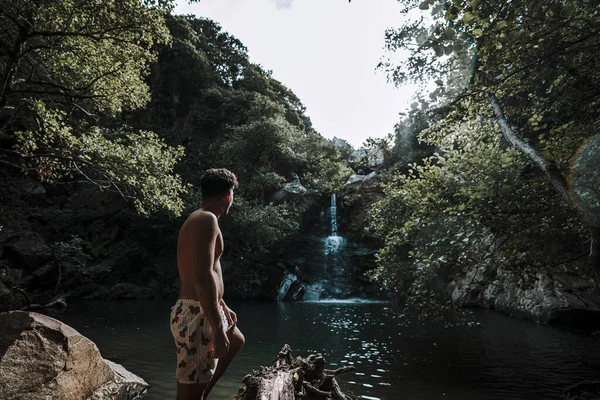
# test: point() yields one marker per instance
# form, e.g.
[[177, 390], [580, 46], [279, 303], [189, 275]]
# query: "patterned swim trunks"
[[192, 333]]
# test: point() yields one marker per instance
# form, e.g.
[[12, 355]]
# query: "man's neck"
[[211, 208]]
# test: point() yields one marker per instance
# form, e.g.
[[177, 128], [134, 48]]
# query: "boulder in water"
[[43, 358], [285, 286]]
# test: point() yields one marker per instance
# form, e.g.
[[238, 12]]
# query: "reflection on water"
[[504, 359]]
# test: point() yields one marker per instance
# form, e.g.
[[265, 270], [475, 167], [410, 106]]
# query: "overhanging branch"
[[556, 178]]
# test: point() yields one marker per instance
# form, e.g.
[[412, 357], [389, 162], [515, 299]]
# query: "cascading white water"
[[334, 242], [333, 215], [332, 278]]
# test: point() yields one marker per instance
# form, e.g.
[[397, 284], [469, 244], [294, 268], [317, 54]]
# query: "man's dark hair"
[[217, 181]]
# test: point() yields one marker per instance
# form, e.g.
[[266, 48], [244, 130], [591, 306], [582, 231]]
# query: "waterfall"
[[333, 215], [323, 267], [333, 243]]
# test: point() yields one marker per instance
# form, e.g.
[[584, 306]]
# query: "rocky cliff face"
[[359, 193], [83, 242], [562, 298]]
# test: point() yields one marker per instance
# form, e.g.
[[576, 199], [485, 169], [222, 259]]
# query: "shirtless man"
[[204, 328]]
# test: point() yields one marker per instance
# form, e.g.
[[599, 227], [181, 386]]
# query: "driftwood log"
[[56, 302], [294, 379]]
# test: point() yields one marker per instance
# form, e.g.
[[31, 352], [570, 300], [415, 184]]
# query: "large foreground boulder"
[[42, 358]]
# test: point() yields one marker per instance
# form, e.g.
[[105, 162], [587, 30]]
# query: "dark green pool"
[[505, 358]]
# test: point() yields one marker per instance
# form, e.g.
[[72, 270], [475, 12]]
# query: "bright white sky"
[[326, 51]]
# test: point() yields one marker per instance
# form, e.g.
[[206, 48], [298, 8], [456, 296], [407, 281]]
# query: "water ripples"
[[505, 358]]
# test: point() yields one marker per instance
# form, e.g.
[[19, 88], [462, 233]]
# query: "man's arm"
[[203, 238]]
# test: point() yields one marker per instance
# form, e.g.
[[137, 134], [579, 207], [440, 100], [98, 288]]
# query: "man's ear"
[[228, 197]]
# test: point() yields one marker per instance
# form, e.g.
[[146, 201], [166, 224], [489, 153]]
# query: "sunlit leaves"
[[93, 53], [137, 165], [77, 64]]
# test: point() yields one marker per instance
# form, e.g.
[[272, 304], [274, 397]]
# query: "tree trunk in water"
[[294, 379]]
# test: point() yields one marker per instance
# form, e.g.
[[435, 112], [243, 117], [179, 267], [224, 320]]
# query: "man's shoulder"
[[203, 220]]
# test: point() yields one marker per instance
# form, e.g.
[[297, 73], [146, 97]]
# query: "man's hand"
[[220, 343], [229, 314]]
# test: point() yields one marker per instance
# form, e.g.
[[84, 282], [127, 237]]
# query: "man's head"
[[217, 186]]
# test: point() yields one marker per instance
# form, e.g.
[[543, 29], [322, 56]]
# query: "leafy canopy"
[[68, 69], [478, 203]]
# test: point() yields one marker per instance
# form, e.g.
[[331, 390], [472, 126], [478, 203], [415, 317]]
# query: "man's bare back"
[[187, 246]]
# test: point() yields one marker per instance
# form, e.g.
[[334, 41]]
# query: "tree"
[[68, 68], [208, 97], [497, 66], [227, 111]]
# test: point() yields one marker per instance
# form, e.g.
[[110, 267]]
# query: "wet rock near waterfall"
[[290, 191], [328, 267], [41, 357], [365, 184], [286, 284]]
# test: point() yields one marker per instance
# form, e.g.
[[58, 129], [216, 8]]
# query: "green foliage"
[[135, 164], [72, 66], [124, 96], [477, 203], [93, 54], [469, 206], [228, 112], [258, 226]]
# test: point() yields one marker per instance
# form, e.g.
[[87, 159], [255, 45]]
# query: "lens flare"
[[584, 179]]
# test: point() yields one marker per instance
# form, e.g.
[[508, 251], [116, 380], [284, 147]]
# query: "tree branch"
[[557, 179], [55, 93], [10, 165], [551, 54]]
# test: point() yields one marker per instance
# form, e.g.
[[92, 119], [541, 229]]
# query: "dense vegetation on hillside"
[[117, 107], [512, 174], [109, 100]]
